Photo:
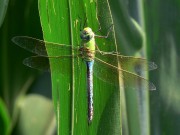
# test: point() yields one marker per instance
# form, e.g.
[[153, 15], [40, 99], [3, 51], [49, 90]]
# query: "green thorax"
[[89, 49]]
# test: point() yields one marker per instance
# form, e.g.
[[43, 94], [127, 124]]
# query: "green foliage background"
[[142, 28]]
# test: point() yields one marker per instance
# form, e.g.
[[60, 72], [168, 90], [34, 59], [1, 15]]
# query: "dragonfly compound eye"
[[85, 35]]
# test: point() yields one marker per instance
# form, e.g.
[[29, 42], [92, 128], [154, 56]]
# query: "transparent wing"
[[109, 71], [43, 63], [37, 62], [134, 64], [39, 46]]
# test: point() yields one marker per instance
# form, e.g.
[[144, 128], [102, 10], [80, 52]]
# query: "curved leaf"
[[4, 119], [3, 9]]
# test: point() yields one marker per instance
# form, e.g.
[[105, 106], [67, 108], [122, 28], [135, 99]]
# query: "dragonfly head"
[[87, 34]]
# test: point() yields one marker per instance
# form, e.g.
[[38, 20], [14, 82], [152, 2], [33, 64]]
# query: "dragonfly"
[[97, 62]]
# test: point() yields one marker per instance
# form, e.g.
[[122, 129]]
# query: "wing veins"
[[120, 69]]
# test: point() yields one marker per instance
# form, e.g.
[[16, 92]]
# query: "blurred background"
[[25, 94]]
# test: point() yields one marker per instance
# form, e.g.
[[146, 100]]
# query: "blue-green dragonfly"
[[97, 62]]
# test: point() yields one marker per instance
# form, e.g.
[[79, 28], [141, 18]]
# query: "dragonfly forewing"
[[39, 46], [130, 63]]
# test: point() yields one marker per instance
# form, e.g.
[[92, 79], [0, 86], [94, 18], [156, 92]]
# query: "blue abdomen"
[[89, 65]]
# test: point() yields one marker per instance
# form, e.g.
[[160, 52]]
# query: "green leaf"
[[16, 79], [129, 34], [131, 39], [61, 22], [37, 114], [3, 9], [5, 121], [163, 41]]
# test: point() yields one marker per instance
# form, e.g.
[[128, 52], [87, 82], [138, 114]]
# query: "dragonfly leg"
[[98, 29], [104, 53], [107, 35]]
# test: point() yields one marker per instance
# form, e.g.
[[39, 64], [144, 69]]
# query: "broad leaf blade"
[[61, 21]]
